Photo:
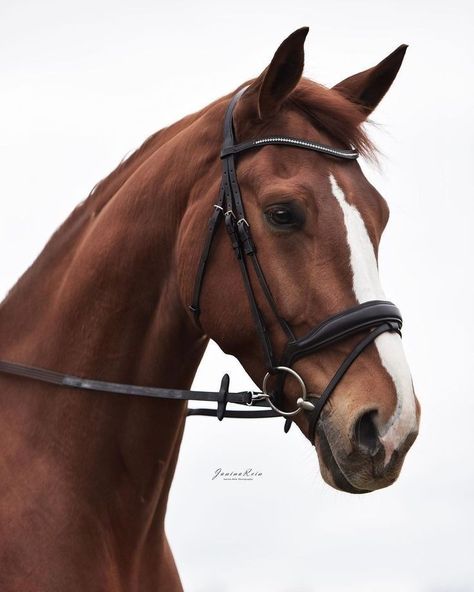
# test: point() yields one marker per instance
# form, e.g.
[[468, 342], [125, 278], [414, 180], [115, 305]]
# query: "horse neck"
[[102, 302]]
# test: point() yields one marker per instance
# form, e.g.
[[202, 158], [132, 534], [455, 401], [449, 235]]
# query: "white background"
[[84, 83]]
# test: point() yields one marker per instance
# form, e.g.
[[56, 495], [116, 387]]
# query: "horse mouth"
[[330, 469]]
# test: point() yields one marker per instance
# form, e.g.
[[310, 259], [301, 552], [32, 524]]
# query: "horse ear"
[[277, 81], [367, 88]]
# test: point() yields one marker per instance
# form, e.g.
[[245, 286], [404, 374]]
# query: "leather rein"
[[375, 316]]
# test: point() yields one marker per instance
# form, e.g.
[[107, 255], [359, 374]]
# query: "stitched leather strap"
[[236, 414], [239, 231], [222, 397], [378, 316], [290, 141], [336, 379], [213, 224], [70, 381], [340, 326]]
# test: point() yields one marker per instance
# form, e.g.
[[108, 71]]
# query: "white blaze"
[[366, 286]]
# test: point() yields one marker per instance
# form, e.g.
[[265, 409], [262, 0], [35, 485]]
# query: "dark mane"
[[334, 114]]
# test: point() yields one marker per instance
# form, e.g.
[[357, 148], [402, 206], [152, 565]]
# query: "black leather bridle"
[[373, 318]]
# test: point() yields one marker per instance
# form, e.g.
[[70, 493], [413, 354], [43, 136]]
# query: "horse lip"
[[329, 459]]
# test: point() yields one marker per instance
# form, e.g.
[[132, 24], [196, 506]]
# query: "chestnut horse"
[[85, 476]]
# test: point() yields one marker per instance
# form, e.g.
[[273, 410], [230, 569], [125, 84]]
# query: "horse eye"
[[282, 216]]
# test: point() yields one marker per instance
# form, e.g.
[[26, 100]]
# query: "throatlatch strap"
[[212, 226]]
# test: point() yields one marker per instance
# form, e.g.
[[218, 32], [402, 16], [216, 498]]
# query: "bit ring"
[[302, 401]]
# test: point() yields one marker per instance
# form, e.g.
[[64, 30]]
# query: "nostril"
[[366, 433]]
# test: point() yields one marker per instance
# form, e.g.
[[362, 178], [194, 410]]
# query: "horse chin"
[[330, 470], [354, 473]]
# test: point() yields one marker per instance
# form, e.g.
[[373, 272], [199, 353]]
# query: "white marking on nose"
[[366, 286]]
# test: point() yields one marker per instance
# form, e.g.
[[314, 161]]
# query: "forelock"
[[331, 112]]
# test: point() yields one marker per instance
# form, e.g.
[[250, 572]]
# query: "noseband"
[[371, 318]]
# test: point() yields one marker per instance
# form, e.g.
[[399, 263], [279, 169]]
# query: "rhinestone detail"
[[305, 143]]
